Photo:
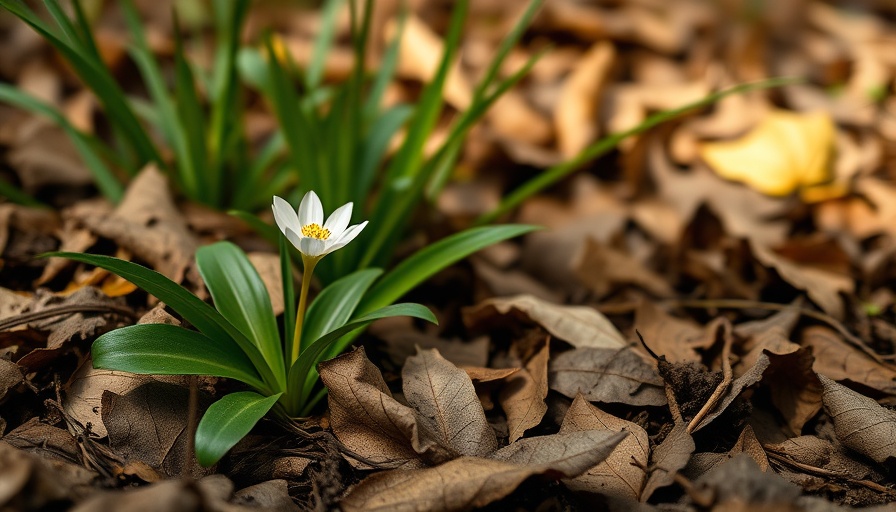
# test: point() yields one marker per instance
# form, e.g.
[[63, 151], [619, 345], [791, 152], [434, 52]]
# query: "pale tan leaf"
[[860, 423], [446, 403], [576, 112], [607, 375], [480, 374], [580, 326], [616, 476], [522, 396], [666, 335], [569, 453]]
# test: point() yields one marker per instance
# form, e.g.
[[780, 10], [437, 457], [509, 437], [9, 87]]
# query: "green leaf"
[[12, 193], [227, 421], [162, 349], [336, 303], [601, 147], [433, 258], [322, 43], [192, 308], [240, 295], [308, 359], [105, 178]]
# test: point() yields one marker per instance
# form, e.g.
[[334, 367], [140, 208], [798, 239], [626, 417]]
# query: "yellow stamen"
[[315, 231]]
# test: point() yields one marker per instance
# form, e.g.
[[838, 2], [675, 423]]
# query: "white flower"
[[307, 230]]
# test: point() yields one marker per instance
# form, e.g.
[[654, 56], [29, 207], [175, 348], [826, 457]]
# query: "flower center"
[[315, 231]]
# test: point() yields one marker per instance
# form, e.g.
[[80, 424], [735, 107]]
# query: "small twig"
[[26, 318], [721, 389], [874, 486], [646, 347]]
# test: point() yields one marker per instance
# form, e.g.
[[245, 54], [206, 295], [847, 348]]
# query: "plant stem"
[[308, 263]]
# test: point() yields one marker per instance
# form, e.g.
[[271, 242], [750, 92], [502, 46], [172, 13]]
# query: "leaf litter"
[[750, 244]]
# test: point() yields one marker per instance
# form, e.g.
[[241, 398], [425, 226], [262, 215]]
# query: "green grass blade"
[[192, 125], [337, 302], [192, 308], [106, 181], [434, 258], [241, 297], [322, 43], [398, 197], [227, 421], [12, 193], [99, 80], [601, 147], [160, 349], [386, 71], [374, 147], [308, 359], [265, 230]]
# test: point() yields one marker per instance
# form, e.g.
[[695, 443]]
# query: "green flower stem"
[[308, 263]]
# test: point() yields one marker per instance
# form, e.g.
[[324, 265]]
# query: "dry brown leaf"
[[522, 396], [666, 335], [470, 482], [835, 359], [31, 482], [479, 374], [366, 418], [148, 425], [10, 377], [575, 115], [268, 267], [148, 224], [750, 377], [44, 156], [814, 451], [607, 375], [401, 341], [616, 476], [785, 152], [601, 268], [581, 326], [669, 457], [860, 423], [515, 122], [822, 286], [740, 484], [447, 405], [747, 442]]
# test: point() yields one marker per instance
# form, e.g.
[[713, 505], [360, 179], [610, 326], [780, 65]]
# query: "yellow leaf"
[[785, 152]]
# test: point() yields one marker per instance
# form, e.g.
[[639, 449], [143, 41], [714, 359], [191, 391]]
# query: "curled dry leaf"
[[446, 403], [603, 268], [470, 482], [616, 476], [747, 443], [786, 151], [839, 361], [668, 336], [522, 396], [750, 377], [607, 375], [860, 423], [581, 326], [669, 457], [366, 418]]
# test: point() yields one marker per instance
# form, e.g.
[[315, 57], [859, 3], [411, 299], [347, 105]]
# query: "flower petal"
[[285, 216], [339, 220], [312, 247], [346, 237], [310, 210], [294, 238]]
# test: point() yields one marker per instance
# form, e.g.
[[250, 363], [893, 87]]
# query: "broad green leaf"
[[336, 303], [227, 421], [601, 147], [433, 258], [240, 295], [192, 308], [163, 349], [308, 359], [105, 178]]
